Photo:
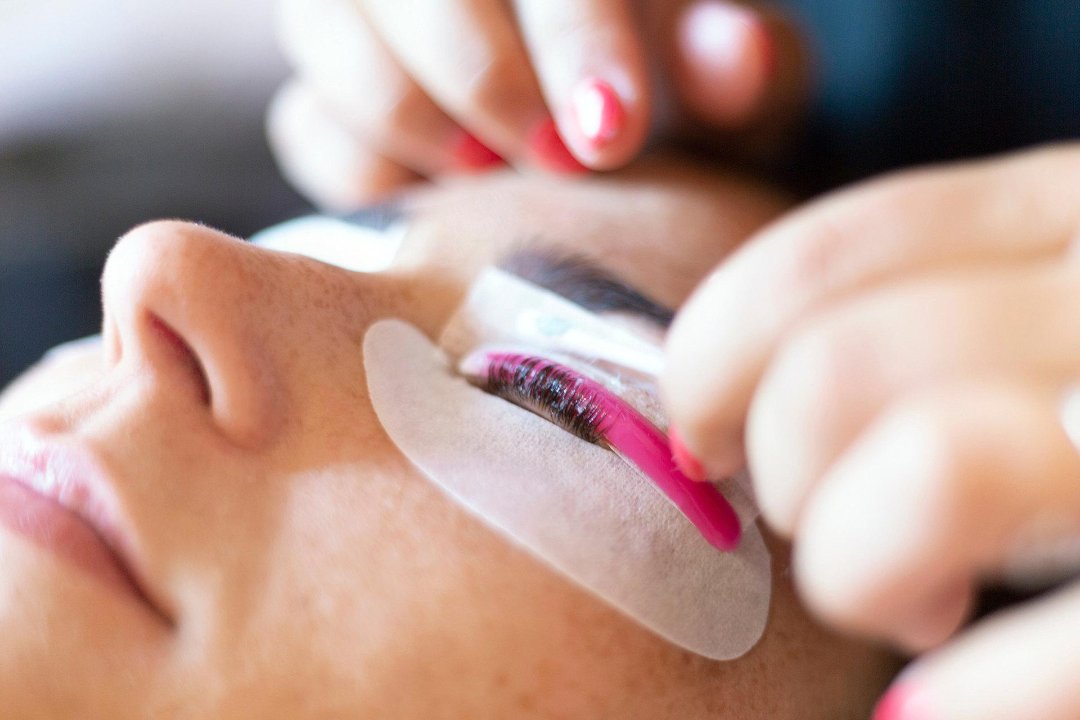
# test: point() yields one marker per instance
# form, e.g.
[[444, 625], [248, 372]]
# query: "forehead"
[[659, 226]]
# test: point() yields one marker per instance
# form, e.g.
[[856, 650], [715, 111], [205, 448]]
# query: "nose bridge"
[[206, 289]]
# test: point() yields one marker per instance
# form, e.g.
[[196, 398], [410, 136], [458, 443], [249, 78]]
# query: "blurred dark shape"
[[113, 114], [903, 82], [65, 200]]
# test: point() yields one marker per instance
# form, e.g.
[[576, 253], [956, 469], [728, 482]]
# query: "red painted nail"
[[550, 152], [690, 466], [901, 702], [598, 111], [471, 154]]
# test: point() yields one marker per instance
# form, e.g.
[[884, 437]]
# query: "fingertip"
[[905, 700], [726, 57], [937, 617], [605, 120], [598, 113], [592, 66], [685, 460], [706, 431]]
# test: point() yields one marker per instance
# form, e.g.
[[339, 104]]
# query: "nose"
[[182, 305]]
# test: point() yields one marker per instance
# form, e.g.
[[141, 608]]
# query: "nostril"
[[184, 354], [182, 302]]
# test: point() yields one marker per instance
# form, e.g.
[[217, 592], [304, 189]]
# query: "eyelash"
[[593, 413], [550, 390]]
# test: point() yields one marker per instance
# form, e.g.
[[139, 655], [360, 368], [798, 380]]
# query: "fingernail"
[[471, 154], [598, 111], [902, 702], [689, 465], [550, 152]]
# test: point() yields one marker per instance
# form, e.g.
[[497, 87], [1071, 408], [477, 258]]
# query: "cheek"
[[384, 594], [56, 377]]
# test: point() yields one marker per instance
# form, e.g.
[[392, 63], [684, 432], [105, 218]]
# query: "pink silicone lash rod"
[[631, 436]]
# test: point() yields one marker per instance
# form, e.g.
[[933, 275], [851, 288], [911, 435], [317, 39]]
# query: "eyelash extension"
[[549, 390], [592, 412]]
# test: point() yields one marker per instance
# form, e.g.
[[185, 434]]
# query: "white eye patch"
[[335, 242], [575, 506]]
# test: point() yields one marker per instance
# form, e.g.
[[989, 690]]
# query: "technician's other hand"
[[895, 359], [389, 92]]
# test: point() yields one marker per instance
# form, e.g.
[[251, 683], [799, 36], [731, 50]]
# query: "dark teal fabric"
[[911, 81]]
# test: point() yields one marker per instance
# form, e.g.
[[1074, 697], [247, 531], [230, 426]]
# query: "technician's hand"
[[895, 358], [387, 92]]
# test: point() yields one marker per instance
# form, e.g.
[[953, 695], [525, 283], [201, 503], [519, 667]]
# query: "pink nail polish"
[[689, 465], [598, 111], [902, 702], [471, 154], [550, 152]]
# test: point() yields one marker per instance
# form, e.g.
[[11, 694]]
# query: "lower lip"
[[54, 528]]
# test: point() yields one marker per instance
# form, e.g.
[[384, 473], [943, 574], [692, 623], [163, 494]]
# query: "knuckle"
[[846, 238], [820, 245]]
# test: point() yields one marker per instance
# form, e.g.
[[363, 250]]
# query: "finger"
[[839, 369], [591, 67], [1019, 665], [979, 213], [323, 160], [470, 59], [345, 63], [740, 69], [936, 494]]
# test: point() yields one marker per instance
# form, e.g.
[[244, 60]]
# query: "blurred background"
[[114, 112]]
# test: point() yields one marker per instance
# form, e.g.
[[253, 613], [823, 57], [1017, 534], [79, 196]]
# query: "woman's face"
[[292, 563]]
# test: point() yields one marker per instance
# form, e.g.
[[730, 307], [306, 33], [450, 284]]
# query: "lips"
[[55, 495]]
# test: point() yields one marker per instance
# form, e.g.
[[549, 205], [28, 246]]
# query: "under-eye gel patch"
[[575, 506]]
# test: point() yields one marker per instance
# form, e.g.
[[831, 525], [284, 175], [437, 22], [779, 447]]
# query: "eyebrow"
[[573, 276], [582, 281]]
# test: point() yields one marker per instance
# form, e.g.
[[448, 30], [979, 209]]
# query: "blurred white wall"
[[66, 64]]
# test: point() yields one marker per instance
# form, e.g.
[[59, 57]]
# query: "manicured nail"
[[471, 154], [902, 702], [689, 465], [550, 152], [598, 111]]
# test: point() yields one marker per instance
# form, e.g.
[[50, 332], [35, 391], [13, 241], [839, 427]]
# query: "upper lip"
[[69, 474]]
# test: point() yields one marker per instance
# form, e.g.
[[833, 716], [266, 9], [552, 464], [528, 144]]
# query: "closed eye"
[[580, 280]]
